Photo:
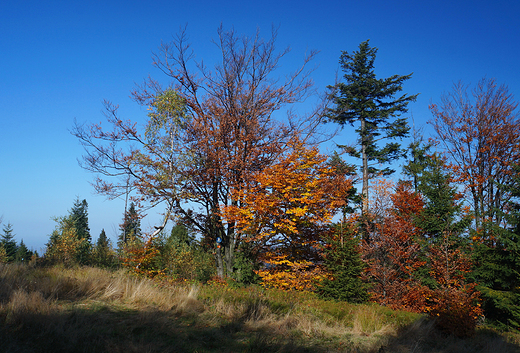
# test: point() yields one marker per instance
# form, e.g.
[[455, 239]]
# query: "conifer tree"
[[79, 218], [131, 227], [103, 253], [79, 214], [22, 253], [7, 240], [370, 102], [343, 261], [442, 214]]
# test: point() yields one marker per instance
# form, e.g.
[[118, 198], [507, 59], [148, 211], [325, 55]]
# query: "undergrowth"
[[55, 309]]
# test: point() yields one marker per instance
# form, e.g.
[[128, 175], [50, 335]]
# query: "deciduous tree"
[[393, 251], [207, 133], [481, 136], [64, 245], [286, 210]]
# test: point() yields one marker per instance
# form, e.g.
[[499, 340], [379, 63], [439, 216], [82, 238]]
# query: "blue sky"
[[60, 59]]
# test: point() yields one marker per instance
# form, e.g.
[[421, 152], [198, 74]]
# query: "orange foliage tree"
[[286, 211], [453, 302], [143, 257], [393, 250], [64, 245]]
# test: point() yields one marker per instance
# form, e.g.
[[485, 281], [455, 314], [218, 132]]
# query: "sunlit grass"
[[92, 310]]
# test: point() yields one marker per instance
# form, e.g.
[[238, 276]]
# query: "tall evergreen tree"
[[79, 214], [79, 218], [370, 102], [7, 240], [131, 227]]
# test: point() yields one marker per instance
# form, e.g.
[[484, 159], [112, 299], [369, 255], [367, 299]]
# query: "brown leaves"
[[481, 135]]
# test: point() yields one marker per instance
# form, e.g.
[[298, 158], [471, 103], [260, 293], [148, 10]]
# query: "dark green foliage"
[[131, 227], [245, 264], [103, 254], [343, 261], [442, 214], [180, 234], [498, 263], [79, 218], [7, 240], [79, 214], [370, 102], [22, 253]]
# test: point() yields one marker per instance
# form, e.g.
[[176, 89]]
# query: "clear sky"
[[60, 59]]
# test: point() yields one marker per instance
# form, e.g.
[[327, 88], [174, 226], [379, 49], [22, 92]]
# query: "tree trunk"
[[364, 157]]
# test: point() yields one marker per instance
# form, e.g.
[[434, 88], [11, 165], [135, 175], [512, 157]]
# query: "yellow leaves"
[[294, 275], [286, 209], [3, 254]]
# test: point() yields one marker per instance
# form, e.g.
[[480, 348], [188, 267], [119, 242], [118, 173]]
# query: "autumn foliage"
[[393, 251], [143, 258], [286, 212], [265, 202], [453, 301]]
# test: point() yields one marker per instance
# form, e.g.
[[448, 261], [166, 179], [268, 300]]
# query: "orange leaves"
[[453, 302], [297, 192], [285, 210], [142, 258]]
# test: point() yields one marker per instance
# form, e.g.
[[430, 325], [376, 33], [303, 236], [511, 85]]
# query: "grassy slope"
[[92, 310]]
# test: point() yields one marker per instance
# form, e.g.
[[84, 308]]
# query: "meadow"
[[86, 309]]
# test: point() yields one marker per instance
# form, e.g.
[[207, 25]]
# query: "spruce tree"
[[79, 218], [103, 254], [22, 253], [370, 102], [7, 240], [441, 214], [343, 261], [79, 214], [131, 227]]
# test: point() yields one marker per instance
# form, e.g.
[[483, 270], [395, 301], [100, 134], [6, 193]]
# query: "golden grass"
[[89, 309]]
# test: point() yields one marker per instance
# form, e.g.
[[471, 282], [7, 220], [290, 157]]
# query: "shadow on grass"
[[103, 329], [423, 337], [95, 327]]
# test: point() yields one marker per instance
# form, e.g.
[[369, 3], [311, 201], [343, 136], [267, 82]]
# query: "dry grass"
[[91, 310]]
